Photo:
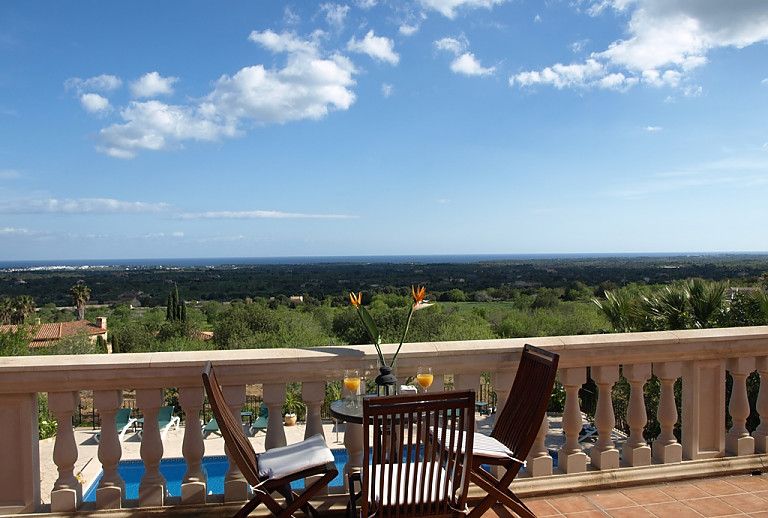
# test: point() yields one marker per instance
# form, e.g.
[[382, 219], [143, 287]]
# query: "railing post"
[[636, 451], [274, 397], [67, 494], [111, 490], [665, 448], [703, 432], [194, 484], [19, 453], [152, 485], [761, 433], [235, 485], [313, 395], [738, 441], [571, 458], [604, 454], [539, 461]]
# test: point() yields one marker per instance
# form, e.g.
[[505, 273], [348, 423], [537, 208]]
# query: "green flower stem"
[[405, 332]]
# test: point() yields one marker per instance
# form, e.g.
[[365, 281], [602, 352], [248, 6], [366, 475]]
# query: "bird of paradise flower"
[[418, 294]]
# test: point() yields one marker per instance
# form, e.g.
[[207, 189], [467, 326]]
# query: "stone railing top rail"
[[250, 366]]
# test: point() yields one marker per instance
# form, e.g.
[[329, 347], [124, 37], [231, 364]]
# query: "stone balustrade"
[[700, 357]]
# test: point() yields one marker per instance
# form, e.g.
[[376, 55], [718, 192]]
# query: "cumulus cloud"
[[308, 86], [335, 14], [259, 214], [465, 62], [448, 8], [79, 206], [468, 65], [152, 84], [666, 40], [102, 83], [407, 29], [95, 103], [379, 48]]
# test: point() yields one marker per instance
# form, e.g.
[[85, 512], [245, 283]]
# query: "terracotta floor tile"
[[672, 510], [684, 491], [711, 507], [647, 495], [572, 504], [594, 513], [541, 507], [718, 487], [750, 482], [746, 502], [630, 512], [611, 500]]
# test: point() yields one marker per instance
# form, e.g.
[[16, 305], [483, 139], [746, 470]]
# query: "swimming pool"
[[173, 470]]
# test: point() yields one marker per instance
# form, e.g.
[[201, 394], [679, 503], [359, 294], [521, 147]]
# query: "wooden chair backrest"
[[237, 442], [401, 447], [518, 423]]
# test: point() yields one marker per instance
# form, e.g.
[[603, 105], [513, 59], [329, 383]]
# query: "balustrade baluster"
[[313, 395], [604, 454], [274, 397], [738, 441], [636, 451], [539, 461], [111, 490], [665, 448], [235, 485], [67, 491], [194, 484], [152, 485], [571, 458], [761, 433]]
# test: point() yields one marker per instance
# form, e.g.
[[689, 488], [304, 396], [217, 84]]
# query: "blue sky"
[[260, 128]]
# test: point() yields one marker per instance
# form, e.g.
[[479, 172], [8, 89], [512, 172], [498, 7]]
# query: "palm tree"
[[22, 307], [80, 295], [670, 307], [621, 310], [6, 310], [706, 300]]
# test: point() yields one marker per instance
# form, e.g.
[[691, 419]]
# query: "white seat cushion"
[[286, 460], [486, 446]]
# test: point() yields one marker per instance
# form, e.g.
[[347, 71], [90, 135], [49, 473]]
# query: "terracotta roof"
[[49, 332]]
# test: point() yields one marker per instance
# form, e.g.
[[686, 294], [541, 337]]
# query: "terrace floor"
[[722, 496]]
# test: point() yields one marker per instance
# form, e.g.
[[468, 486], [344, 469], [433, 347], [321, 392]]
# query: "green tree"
[[80, 295], [21, 308], [15, 342]]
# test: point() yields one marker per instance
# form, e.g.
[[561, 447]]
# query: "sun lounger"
[[123, 420]]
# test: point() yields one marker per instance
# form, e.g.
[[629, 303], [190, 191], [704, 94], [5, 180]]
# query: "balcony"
[[701, 358]]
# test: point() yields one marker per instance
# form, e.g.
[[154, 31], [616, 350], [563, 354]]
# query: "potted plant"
[[292, 407]]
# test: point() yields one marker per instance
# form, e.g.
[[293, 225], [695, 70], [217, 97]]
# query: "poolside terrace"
[[711, 471]]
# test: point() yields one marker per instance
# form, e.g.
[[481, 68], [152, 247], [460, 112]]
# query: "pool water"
[[173, 470]]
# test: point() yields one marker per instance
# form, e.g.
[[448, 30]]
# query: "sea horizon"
[[191, 262]]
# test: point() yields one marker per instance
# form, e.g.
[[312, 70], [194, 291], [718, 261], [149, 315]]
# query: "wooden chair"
[[275, 469], [406, 473], [514, 431]]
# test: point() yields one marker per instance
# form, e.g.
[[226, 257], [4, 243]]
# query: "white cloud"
[[95, 103], [366, 4], [562, 76], [9, 174], [468, 65], [448, 8], [79, 206], [451, 45], [666, 40], [11, 231], [308, 86], [259, 214], [386, 90], [653, 128], [152, 84], [102, 83], [465, 63], [335, 14], [408, 29], [379, 48]]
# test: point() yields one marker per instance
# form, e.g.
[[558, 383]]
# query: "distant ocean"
[[241, 261]]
